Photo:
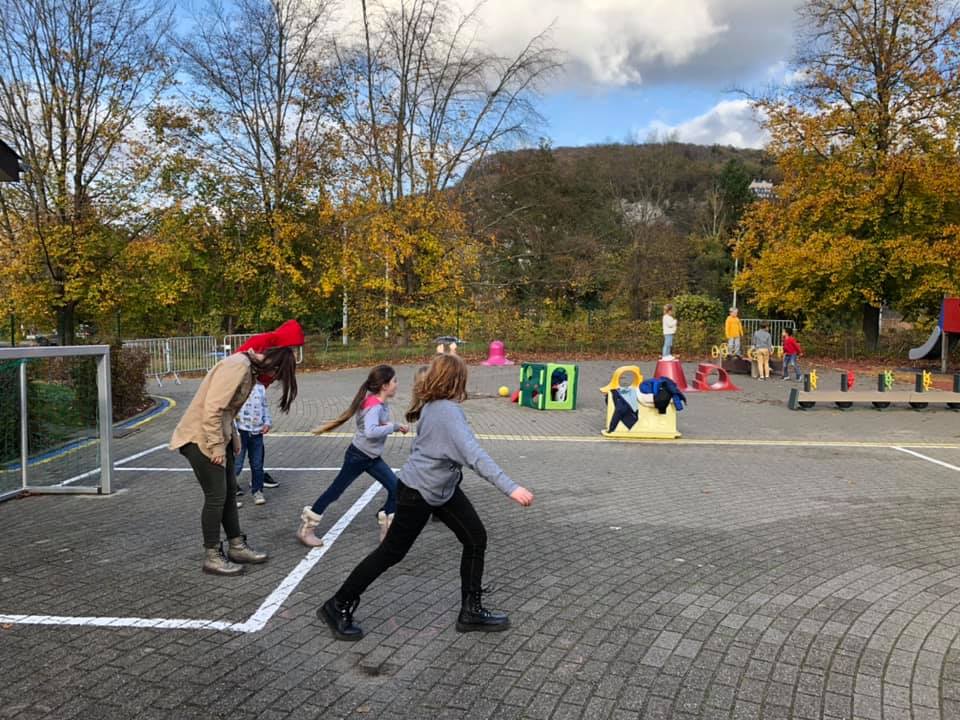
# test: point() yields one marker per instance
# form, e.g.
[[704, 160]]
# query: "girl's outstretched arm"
[[467, 451]]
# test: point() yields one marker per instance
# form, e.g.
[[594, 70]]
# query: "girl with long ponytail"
[[430, 486], [374, 426]]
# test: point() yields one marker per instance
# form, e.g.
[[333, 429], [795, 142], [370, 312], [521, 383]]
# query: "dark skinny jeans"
[[413, 512], [355, 463], [219, 484]]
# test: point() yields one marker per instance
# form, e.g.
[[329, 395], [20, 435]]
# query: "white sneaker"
[[259, 499], [239, 503]]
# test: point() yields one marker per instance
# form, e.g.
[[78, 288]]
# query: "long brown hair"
[[380, 376], [445, 379], [282, 364]]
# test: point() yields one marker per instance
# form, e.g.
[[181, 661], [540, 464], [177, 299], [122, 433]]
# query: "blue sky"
[[584, 116], [637, 66]]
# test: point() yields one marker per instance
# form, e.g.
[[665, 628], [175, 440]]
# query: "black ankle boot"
[[474, 617], [339, 616]]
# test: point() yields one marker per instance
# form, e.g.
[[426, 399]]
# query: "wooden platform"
[[800, 400]]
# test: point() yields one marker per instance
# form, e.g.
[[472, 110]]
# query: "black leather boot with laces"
[[474, 617], [339, 616]]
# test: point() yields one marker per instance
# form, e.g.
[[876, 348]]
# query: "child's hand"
[[522, 496], [266, 429], [403, 428]]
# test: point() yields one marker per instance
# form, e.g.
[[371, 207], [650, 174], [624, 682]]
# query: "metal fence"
[[232, 342], [172, 356], [66, 442], [776, 328]]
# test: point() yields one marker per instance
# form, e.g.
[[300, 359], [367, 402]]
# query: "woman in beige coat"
[[206, 436]]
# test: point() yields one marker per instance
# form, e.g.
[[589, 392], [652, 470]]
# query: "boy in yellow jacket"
[[733, 331]]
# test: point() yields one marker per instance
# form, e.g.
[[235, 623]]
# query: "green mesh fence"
[[63, 421]]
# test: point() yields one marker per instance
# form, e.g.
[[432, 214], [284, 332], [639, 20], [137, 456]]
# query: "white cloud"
[[609, 42], [625, 42], [730, 122]]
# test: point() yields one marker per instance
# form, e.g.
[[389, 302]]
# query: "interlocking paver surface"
[[672, 580]]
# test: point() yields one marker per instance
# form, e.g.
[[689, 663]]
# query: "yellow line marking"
[[170, 406], [684, 441]]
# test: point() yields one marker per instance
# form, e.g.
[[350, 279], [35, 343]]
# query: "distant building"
[[762, 189], [9, 164]]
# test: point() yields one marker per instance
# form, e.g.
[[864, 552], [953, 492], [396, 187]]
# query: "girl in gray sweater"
[[430, 485], [374, 426]]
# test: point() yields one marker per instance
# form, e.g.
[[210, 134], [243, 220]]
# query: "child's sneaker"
[[239, 503], [259, 499], [269, 482]]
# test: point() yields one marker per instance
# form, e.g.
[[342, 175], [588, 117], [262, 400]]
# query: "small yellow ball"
[[504, 391]]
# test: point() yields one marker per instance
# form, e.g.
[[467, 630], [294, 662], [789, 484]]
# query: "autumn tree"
[[866, 138], [75, 78], [256, 134], [551, 232], [423, 101]]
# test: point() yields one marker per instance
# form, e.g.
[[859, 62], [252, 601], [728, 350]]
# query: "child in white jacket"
[[669, 330], [253, 422]]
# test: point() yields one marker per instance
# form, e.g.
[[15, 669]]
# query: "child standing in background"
[[669, 329], [733, 331], [762, 347], [791, 354], [253, 422]]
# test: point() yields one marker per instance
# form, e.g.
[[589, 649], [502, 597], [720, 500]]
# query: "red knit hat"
[[290, 334]]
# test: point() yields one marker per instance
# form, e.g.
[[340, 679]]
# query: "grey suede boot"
[[240, 552], [214, 563]]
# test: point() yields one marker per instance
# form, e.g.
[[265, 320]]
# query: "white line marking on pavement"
[[254, 623], [273, 602], [686, 441], [156, 623], [96, 471], [924, 457], [190, 470], [291, 469]]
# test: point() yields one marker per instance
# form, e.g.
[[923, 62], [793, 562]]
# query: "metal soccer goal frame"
[[105, 424]]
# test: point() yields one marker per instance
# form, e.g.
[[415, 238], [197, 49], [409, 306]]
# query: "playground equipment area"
[[548, 386], [919, 398], [944, 337], [635, 412]]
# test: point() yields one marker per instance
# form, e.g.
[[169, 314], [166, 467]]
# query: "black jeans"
[[219, 484], [412, 515]]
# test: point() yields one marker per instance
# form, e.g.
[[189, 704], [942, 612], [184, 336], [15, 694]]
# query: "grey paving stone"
[[646, 581]]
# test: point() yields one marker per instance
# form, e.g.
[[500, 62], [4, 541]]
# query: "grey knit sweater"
[[444, 444]]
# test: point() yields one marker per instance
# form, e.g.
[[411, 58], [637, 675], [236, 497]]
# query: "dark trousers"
[[252, 444], [412, 515], [219, 484], [355, 463]]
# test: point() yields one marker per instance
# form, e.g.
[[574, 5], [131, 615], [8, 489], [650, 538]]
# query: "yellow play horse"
[[650, 423]]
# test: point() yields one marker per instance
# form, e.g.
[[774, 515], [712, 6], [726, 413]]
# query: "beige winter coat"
[[208, 421]]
